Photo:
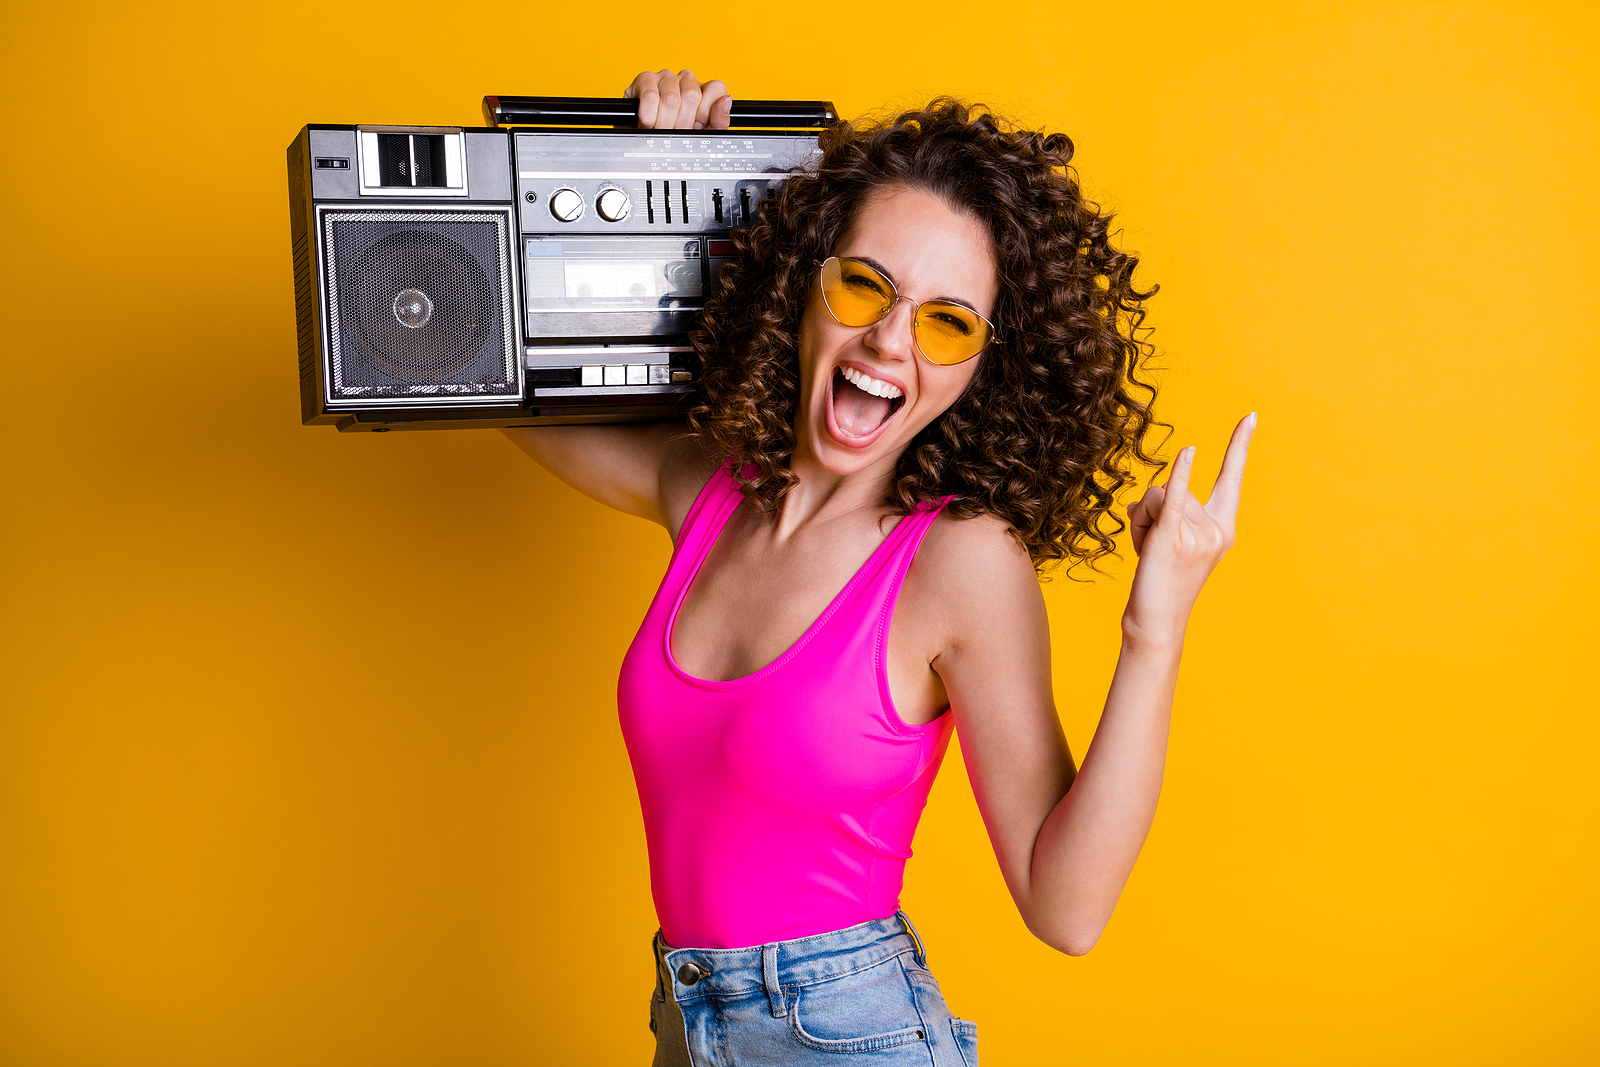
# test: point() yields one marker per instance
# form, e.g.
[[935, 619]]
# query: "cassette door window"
[[612, 287]]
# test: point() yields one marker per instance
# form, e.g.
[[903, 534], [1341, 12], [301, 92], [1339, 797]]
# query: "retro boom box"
[[540, 270]]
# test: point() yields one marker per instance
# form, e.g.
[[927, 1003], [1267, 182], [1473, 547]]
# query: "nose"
[[892, 334]]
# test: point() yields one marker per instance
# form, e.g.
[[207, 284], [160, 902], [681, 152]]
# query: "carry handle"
[[623, 113]]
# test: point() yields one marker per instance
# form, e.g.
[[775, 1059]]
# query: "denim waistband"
[[768, 968]]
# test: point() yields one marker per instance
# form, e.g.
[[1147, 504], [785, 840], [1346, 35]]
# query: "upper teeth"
[[870, 385]]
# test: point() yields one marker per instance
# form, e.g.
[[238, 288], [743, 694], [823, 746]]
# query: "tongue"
[[857, 411]]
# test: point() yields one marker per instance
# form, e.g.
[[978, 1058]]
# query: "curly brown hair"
[[1055, 417]]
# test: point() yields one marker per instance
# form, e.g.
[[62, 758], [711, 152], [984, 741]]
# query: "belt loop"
[[769, 978], [922, 955]]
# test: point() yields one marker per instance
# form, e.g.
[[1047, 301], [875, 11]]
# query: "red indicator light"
[[719, 248]]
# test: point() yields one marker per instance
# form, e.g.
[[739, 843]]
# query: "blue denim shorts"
[[861, 995]]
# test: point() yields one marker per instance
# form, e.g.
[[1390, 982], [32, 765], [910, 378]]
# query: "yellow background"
[[309, 752]]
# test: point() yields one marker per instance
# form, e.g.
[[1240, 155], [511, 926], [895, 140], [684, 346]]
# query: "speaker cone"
[[423, 306], [413, 308]]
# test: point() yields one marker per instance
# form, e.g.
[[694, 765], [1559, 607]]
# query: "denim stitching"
[[916, 1001], [869, 1043], [960, 1028], [830, 976], [791, 989]]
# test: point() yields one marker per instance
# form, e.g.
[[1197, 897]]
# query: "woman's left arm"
[[1066, 840]]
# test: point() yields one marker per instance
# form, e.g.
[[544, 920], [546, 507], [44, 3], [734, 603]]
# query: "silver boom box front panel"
[[449, 277]]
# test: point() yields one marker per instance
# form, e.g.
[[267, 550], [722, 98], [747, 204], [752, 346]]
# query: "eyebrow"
[[881, 269]]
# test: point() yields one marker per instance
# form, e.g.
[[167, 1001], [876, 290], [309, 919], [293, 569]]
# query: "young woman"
[[920, 387]]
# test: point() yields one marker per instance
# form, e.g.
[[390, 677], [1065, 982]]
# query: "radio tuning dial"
[[566, 205], [612, 205]]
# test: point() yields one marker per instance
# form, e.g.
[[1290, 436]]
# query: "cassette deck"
[[453, 277]]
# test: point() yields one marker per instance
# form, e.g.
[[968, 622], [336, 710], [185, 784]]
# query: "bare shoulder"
[[972, 578], [687, 464], [968, 556]]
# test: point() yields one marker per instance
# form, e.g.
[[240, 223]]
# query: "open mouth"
[[862, 405]]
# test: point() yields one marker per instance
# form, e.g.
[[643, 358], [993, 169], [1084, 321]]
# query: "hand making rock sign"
[[1179, 540]]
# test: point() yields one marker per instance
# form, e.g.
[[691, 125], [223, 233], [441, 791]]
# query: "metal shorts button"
[[690, 973]]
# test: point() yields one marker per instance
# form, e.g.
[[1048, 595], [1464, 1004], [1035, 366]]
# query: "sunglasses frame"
[[916, 308]]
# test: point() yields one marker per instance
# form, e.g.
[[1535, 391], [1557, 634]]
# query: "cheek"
[[815, 318], [807, 350], [810, 353], [819, 337], [947, 387]]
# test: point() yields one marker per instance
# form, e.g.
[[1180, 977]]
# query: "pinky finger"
[[712, 93], [1143, 512]]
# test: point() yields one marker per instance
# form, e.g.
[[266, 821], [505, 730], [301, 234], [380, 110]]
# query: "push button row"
[[633, 374]]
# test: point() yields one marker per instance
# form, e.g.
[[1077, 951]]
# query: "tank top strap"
[[910, 531], [717, 500], [893, 560]]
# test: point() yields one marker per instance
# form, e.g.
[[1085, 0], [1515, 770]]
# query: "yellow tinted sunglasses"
[[945, 332]]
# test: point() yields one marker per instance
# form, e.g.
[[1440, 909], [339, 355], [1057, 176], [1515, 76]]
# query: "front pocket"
[[867, 1011], [965, 1031], [870, 1043]]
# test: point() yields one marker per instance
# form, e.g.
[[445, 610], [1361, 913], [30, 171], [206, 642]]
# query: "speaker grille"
[[419, 305]]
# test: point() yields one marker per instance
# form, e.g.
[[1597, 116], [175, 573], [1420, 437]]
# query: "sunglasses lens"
[[949, 333], [856, 294]]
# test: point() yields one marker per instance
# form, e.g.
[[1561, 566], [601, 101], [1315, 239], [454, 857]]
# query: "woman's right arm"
[[652, 471]]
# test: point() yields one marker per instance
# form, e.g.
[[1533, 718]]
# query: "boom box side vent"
[[420, 306], [305, 302]]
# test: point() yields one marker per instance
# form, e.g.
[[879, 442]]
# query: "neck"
[[821, 495]]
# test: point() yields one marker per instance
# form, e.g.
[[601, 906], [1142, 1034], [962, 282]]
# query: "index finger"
[[1224, 503], [643, 88]]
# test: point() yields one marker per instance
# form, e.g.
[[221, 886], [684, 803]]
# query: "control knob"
[[612, 205], [566, 205]]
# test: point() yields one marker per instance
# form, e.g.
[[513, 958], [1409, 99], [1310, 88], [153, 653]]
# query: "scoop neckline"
[[799, 643]]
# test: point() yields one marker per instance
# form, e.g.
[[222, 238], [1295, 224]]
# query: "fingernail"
[[699, 125], [1252, 420], [1189, 453]]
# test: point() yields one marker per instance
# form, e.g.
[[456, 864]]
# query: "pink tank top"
[[781, 804]]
